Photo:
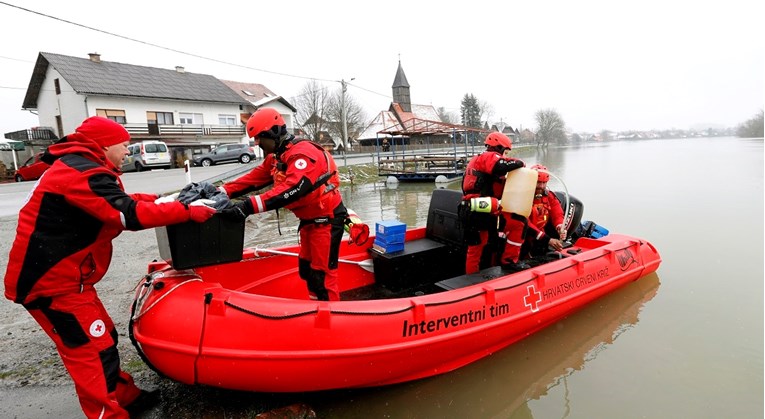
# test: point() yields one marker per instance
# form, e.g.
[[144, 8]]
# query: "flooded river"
[[684, 342]]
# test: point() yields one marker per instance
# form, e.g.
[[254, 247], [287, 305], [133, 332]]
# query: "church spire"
[[401, 89]]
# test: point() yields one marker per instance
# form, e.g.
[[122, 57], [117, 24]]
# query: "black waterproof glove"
[[239, 210], [504, 166]]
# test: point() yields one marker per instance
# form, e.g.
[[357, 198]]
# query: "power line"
[[175, 51], [160, 46], [16, 59], [178, 51]]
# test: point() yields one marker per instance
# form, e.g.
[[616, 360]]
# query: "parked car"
[[32, 169], [225, 153], [146, 155]]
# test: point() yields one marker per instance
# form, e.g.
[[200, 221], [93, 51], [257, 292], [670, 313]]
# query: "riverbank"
[[34, 383]]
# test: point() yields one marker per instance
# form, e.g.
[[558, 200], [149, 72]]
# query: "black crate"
[[421, 262], [187, 245], [443, 223]]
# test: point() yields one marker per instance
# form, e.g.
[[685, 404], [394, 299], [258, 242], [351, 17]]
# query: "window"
[[191, 118], [226, 119], [159, 118], [58, 86], [115, 115], [155, 148]]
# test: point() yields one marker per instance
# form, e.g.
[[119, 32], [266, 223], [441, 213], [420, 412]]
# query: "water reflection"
[[674, 194], [502, 385]]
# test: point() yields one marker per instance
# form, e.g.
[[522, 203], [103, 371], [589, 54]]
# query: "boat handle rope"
[[142, 311], [404, 309]]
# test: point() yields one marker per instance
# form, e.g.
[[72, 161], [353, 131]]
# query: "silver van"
[[146, 155]]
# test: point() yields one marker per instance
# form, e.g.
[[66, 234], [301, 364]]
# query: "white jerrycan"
[[518, 195]]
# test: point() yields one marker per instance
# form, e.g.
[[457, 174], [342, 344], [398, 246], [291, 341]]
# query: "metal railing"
[[184, 130]]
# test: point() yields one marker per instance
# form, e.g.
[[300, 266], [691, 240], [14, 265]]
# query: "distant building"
[[188, 111], [404, 121], [259, 96], [506, 129]]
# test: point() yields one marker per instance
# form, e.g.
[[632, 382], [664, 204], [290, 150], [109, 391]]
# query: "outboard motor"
[[575, 211]]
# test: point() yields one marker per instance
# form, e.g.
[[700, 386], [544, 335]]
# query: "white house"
[[188, 111], [259, 96]]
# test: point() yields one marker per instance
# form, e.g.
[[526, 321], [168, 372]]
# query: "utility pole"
[[345, 123], [345, 120]]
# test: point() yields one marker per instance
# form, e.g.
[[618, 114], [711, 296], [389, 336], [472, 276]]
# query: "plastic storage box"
[[187, 245], [390, 227], [390, 236]]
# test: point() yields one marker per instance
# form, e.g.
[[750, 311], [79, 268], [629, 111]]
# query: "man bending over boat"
[[304, 180], [546, 227], [63, 247], [485, 178]]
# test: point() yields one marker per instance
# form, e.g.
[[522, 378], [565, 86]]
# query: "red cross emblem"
[[532, 298], [97, 328]]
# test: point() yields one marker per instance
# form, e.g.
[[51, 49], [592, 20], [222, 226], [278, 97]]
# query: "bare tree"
[[355, 117], [487, 111], [550, 127], [446, 116], [312, 105]]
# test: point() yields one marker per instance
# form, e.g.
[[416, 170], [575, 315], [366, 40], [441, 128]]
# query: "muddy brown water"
[[686, 341]]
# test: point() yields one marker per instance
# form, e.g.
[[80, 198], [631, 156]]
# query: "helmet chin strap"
[[281, 143]]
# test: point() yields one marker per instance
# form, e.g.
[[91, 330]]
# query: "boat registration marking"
[[566, 287], [442, 323]]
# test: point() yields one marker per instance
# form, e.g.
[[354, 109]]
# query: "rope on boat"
[[142, 311], [367, 313], [404, 309], [266, 316]]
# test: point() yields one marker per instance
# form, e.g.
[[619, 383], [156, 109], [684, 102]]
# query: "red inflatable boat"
[[249, 325]]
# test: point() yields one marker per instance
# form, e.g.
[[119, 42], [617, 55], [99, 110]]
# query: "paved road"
[[13, 195]]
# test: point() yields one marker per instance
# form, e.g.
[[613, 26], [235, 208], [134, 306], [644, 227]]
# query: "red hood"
[[77, 143]]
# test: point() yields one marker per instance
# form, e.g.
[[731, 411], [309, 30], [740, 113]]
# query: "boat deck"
[[381, 291]]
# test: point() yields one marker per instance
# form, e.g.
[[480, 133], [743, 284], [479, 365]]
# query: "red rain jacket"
[[65, 229], [304, 178]]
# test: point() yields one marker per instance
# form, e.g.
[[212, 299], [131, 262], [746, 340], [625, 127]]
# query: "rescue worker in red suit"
[[63, 247], [304, 180], [546, 222], [485, 177]]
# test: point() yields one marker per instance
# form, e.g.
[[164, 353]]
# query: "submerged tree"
[[753, 127], [550, 127]]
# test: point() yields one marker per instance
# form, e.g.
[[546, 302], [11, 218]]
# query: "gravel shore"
[[34, 383]]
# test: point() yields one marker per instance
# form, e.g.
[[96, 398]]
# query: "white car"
[[147, 155]]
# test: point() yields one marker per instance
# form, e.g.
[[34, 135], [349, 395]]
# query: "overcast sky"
[[601, 64]]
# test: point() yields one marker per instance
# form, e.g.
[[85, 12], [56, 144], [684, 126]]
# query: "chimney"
[[95, 57], [180, 69]]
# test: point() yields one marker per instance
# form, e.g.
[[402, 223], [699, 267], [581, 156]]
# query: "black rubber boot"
[[145, 401]]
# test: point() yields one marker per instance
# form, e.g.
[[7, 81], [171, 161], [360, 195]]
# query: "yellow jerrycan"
[[518, 195]]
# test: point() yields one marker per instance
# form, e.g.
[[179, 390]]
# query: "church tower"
[[401, 90]]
